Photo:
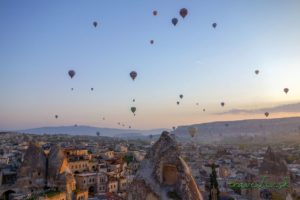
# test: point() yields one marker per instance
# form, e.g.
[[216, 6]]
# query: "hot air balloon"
[[178, 102], [71, 73], [72, 89], [214, 25], [133, 109], [203, 109], [197, 104], [133, 75], [174, 21], [119, 123], [92, 89], [103, 118], [192, 131], [286, 90], [183, 12], [129, 127], [95, 24], [256, 72], [222, 104], [56, 116], [154, 12], [266, 114], [181, 96], [133, 100], [151, 41]]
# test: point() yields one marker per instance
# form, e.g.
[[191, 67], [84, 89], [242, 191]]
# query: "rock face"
[[59, 175], [39, 171], [164, 173], [31, 175], [273, 164]]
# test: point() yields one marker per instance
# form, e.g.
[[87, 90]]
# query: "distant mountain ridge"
[[251, 127], [91, 131]]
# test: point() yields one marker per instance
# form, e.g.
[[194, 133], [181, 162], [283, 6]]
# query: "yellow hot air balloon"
[[192, 131]]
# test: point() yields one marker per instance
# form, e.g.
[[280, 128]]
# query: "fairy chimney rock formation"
[[164, 173]]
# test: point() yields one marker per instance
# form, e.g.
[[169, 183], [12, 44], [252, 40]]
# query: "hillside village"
[[67, 167]]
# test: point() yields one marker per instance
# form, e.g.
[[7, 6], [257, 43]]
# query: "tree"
[[214, 193]]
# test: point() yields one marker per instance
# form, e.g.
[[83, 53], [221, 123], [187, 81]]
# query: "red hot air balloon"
[[286, 90], [183, 12], [174, 21], [133, 75], [71, 73], [214, 25], [154, 12], [266, 114]]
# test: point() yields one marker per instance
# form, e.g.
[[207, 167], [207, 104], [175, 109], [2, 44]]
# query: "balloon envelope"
[[133, 109], [154, 12], [286, 90], [256, 72], [71, 73], [222, 104], [95, 24], [133, 75], [181, 96], [183, 12], [174, 21], [192, 131], [214, 25], [266, 114]]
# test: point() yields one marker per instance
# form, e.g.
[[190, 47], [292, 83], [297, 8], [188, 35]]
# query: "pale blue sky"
[[41, 40]]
